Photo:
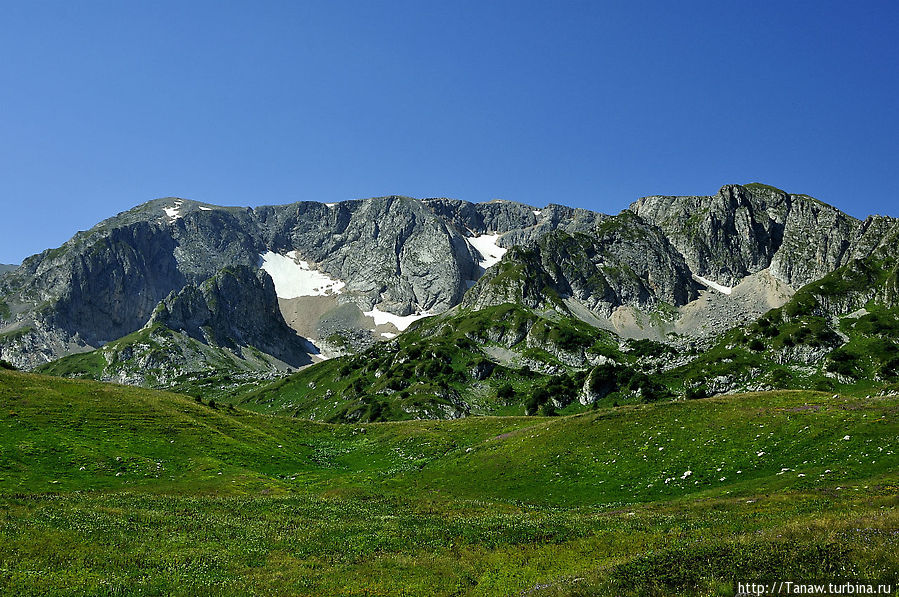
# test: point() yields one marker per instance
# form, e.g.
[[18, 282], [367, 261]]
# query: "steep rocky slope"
[[745, 229], [227, 328], [391, 255], [676, 270]]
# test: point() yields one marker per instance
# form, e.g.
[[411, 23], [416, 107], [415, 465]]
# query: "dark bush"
[[696, 392], [505, 392], [781, 378], [549, 410], [538, 398], [649, 348]]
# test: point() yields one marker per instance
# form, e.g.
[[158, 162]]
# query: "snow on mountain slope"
[[486, 245], [295, 278]]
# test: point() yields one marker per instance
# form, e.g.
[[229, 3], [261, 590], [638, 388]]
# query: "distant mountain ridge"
[[677, 270], [395, 255]]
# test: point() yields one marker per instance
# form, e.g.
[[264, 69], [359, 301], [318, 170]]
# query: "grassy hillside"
[[116, 490], [839, 333], [159, 357], [502, 360], [836, 334]]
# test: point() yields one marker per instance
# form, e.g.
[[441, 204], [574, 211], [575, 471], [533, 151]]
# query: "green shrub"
[[538, 398], [685, 568], [505, 392], [696, 392]]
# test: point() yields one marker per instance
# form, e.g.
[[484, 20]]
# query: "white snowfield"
[[537, 212], [399, 322], [174, 212], [294, 278], [205, 208], [709, 284], [487, 247]]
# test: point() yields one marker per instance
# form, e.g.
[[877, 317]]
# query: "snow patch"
[[205, 208], [537, 212], [174, 212], [330, 204], [295, 278], [714, 285], [399, 322], [487, 247], [388, 335]]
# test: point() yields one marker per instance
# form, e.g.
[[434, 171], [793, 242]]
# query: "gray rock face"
[[745, 229], [396, 253], [483, 218], [518, 224], [237, 308], [724, 237], [393, 252], [624, 261], [406, 256], [114, 286], [817, 240]]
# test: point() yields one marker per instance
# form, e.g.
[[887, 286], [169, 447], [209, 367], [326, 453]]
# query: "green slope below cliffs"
[[106, 488]]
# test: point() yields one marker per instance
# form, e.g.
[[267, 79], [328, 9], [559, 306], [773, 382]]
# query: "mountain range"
[[394, 307]]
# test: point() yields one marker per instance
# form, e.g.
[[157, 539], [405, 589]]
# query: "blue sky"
[[104, 105]]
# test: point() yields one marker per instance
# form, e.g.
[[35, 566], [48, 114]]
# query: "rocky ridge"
[[396, 259]]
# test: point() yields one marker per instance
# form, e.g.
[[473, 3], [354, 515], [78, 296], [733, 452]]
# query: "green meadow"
[[113, 490]]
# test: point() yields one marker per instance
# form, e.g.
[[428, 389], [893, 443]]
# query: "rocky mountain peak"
[[394, 259], [236, 308]]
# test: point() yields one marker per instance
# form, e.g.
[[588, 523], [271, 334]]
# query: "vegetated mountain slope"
[[350, 273], [391, 255], [608, 455], [503, 360], [839, 332], [207, 338], [107, 487]]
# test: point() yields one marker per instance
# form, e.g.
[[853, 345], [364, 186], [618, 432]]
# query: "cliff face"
[[400, 255], [724, 237], [404, 257], [235, 309], [745, 229], [624, 261]]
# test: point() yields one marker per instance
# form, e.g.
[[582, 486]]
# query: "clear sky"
[[104, 105]]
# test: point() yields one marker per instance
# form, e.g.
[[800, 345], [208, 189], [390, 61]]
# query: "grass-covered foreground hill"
[[110, 490]]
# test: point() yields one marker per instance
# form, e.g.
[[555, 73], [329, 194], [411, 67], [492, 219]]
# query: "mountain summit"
[[277, 287]]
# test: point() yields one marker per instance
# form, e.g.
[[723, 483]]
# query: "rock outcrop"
[[622, 261], [408, 257], [236, 309]]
